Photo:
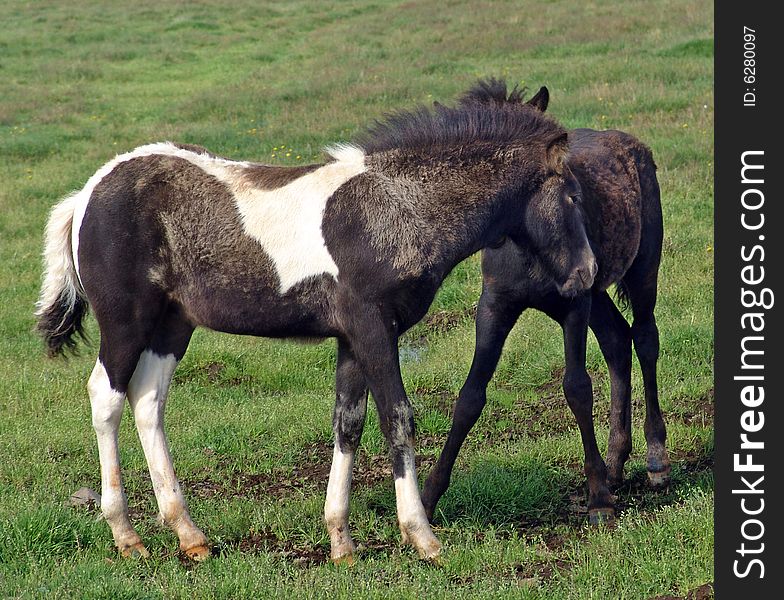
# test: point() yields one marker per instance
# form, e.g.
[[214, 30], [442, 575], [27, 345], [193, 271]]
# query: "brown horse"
[[168, 238], [621, 202]]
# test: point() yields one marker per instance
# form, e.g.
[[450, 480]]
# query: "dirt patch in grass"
[[704, 592], [530, 573], [310, 474], [699, 413], [300, 554], [526, 575], [266, 541], [442, 321], [541, 570], [311, 468]]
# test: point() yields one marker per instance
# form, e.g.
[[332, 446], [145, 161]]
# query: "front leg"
[[495, 316], [347, 424], [579, 395], [373, 342]]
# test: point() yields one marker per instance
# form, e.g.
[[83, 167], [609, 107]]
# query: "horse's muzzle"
[[581, 279]]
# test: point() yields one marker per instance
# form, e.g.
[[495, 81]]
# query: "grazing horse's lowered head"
[[554, 224], [169, 237], [555, 231]]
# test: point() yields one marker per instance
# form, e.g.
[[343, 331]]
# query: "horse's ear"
[[541, 99], [557, 148]]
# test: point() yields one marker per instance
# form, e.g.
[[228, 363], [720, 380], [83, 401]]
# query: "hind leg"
[[646, 345], [615, 340], [147, 393], [107, 404], [136, 360], [122, 342], [645, 333]]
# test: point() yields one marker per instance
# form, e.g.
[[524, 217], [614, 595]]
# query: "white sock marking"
[[336, 507], [410, 511], [107, 408], [147, 395]]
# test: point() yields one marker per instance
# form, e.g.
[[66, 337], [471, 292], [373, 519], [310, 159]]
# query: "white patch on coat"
[[286, 221]]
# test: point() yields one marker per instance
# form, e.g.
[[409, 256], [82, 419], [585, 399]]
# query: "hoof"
[[136, 550], [342, 549], [347, 559], [659, 479], [430, 551], [198, 553], [601, 516], [429, 548]]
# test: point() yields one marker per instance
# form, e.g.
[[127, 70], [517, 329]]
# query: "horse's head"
[[554, 224], [553, 228]]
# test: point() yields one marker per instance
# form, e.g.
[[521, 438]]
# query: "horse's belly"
[[255, 310]]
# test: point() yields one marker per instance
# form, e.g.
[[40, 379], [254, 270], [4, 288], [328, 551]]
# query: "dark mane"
[[473, 120], [490, 90]]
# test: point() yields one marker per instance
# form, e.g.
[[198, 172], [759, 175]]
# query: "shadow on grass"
[[528, 494]]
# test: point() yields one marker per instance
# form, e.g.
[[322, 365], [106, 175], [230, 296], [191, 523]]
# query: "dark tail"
[[62, 304], [622, 295]]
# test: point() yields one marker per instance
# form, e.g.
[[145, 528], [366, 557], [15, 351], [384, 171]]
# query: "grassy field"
[[249, 419]]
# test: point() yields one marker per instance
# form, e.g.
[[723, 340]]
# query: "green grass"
[[249, 419]]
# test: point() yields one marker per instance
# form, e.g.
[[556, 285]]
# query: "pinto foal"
[[169, 237]]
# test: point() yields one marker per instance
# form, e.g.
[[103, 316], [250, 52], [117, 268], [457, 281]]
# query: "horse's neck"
[[451, 207], [469, 220]]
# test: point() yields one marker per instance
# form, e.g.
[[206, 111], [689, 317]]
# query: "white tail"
[[61, 303]]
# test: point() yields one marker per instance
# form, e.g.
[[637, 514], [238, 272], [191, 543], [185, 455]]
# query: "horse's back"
[[621, 200], [621, 194], [174, 231]]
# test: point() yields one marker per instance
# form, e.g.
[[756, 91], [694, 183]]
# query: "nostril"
[[594, 268], [586, 275]]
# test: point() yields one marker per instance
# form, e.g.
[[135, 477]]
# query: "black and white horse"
[[621, 201], [170, 237]]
